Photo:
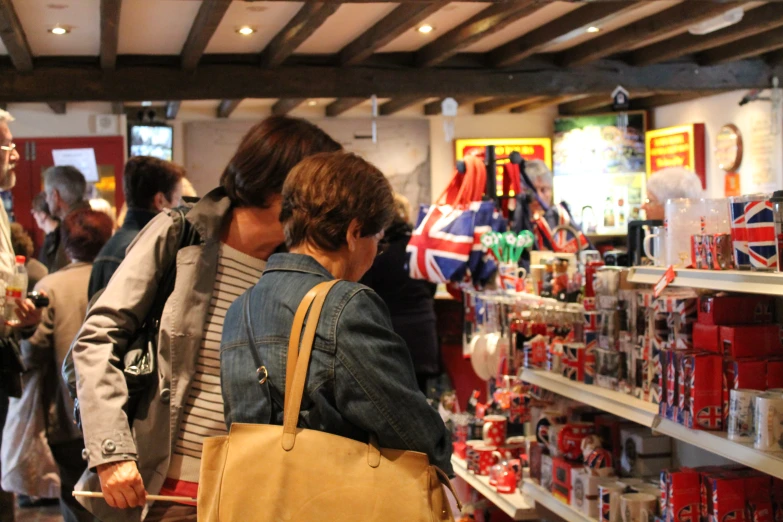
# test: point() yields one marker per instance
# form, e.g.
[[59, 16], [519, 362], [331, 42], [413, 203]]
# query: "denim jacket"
[[360, 378]]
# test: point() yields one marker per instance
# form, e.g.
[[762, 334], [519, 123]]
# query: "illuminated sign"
[[681, 146]]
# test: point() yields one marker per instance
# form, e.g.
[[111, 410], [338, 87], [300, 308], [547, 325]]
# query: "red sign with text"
[[681, 146]]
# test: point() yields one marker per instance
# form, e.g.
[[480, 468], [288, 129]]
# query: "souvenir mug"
[[654, 246], [495, 428], [638, 507], [683, 219]]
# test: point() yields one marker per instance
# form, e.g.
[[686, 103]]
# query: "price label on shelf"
[[664, 281]]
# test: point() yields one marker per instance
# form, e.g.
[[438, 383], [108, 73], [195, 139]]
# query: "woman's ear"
[[353, 234]]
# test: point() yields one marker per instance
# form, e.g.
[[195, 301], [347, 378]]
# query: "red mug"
[[460, 450], [495, 430], [569, 439], [471, 455], [484, 457]]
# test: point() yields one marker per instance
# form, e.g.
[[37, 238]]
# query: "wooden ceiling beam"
[[746, 48], [659, 100], [172, 108], [309, 18], [434, 108], [403, 18], [651, 29], [285, 105], [504, 103], [547, 102], [483, 24], [204, 26], [57, 107], [577, 20], [110, 32], [397, 104], [341, 105], [755, 21], [226, 107], [234, 82], [13, 37], [585, 105]]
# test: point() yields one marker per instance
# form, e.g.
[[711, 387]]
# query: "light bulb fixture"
[[729, 18], [426, 29], [312, 103], [246, 30], [593, 29], [59, 30]]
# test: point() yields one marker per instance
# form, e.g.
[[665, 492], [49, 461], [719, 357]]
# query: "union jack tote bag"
[[441, 244]]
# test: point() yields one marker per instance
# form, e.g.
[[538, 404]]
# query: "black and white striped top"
[[203, 416]]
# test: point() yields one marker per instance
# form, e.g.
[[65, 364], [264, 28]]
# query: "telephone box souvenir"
[[562, 470]]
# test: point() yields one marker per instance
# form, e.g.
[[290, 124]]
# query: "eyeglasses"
[[8, 148]]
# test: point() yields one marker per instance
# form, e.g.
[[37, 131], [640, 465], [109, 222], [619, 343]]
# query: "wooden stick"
[[152, 498]]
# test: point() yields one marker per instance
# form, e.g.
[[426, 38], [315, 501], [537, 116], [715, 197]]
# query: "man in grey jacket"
[[65, 188]]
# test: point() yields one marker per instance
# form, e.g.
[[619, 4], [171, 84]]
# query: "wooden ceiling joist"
[[397, 104], [172, 108], [204, 26], [540, 104], [285, 105], [57, 107], [341, 105], [110, 32], [309, 18], [755, 21], [13, 37], [585, 105], [226, 107], [577, 20], [752, 46], [504, 103], [667, 23], [485, 23], [403, 18], [659, 100]]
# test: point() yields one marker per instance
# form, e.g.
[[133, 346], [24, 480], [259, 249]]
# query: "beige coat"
[[115, 316]]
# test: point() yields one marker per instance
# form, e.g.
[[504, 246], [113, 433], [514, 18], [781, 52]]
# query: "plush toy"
[[597, 460]]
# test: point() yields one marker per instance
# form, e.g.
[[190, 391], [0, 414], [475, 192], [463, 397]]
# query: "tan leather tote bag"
[[268, 473]]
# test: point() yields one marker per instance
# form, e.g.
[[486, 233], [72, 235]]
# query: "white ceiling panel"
[[444, 20], [646, 9], [344, 26], [155, 26], [523, 26], [82, 17], [267, 18]]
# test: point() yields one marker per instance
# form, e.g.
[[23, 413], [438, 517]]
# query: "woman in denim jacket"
[[360, 380]]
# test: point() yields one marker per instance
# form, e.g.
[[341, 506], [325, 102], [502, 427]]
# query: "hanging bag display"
[[268, 473]]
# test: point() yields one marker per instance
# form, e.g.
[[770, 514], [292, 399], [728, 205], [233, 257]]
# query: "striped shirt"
[[203, 414]]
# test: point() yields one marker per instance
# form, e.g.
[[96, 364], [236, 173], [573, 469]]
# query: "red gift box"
[[728, 499], [700, 389], [682, 311], [561, 478], [680, 495], [750, 341], [740, 309], [759, 510], [706, 337], [775, 374]]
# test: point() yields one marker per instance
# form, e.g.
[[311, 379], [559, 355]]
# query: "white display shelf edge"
[[513, 504], [543, 497], [619, 404], [746, 281], [644, 413]]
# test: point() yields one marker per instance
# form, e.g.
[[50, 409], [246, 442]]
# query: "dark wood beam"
[[234, 82], [57, 107], [285, 105], [585, 105], [503, 103], [204, 26], [309, 18], [398, 104], [577, 20], [117, 108], [172, 108], [775, 58], [110, 32], [755, 21], [403, 18], [483, 24], [752, 46], [341, 105], [434, 108], [226, 107], [659, 100], [540, 104], [13, 37], [651, 29]]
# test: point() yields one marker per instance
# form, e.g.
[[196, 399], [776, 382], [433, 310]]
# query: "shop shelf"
[[513, 504], [544, 498], [617, 403], [769, 283]]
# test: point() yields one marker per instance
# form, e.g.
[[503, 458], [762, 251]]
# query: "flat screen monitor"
[[150, 139]]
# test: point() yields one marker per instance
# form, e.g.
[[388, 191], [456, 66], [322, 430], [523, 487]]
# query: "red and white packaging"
[[750, 340], [739, 309], [700, 386], [706, 337]]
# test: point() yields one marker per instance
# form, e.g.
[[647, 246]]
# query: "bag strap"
[[302, 358], [294, 341], [444, 479]]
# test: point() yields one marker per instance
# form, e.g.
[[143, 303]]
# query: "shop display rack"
[[513, 504], [745, 281], [645, 413], [542, 497]]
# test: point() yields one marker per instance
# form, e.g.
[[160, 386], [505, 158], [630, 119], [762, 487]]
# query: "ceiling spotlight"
[[59, 30], [312, 103], [426, 29], [246, 30], [593, 29]]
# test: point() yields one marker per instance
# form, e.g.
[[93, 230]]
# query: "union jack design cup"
[[760, 231]]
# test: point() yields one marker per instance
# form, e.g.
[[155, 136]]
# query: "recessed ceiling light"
[[426, 29], [593, 29], [312, 103], [246, 30], [59, 30]]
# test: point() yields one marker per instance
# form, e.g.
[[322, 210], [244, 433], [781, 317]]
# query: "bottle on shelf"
[[16, 289]]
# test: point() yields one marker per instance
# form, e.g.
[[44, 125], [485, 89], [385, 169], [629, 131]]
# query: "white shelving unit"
[[746, 281], [514, 504], [541, 496], [645, 413]]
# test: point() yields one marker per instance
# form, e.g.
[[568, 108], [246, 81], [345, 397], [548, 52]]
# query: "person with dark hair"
[[360, 379], [239, 227], [150, 185], [65, 189], [49, 225], [84, 232], [23, 246]]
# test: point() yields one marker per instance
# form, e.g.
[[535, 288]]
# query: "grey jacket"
[[116, 314]]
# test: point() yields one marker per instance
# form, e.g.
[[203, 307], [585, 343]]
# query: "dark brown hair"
[[21, 241], [267, 154], [84, 233], [325, 192], [145, 176]]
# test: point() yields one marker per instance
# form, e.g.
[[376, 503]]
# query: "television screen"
[[151, 140]]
